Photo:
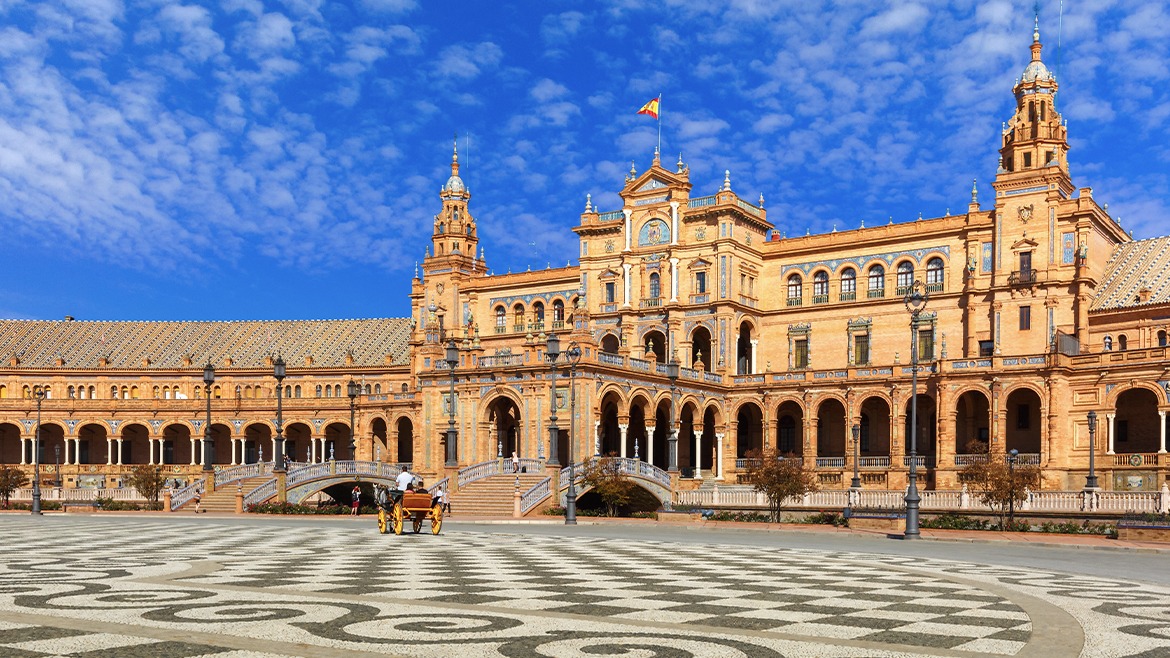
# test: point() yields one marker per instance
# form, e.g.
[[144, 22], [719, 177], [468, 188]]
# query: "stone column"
[[193, 453], [597, 437], [649, 454], [719, 455], [1109, 427], [626, 284], [674, 222], [755, 365], [673, 281], [697, 430], [1162, 430], [24, 450], [119, 452], [110, 452], [629, 227], [623, 429]]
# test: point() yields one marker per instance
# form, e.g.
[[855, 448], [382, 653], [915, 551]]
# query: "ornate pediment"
[[1025, 244], [699, 264], [652, 184]]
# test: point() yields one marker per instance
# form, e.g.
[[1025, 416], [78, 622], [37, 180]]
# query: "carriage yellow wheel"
[[382, 521], [396, 514], [436, 518]]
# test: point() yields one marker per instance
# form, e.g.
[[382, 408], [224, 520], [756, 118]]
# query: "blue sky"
[[257, 160]]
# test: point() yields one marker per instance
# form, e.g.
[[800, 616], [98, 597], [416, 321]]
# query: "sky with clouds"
[[252, 160]]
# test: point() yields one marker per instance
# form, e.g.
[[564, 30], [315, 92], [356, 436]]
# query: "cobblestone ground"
[[141, 586]]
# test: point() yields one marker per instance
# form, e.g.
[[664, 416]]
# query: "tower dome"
[[454, 186], [1036, 70]]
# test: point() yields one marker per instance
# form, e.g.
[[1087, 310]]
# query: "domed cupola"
[[455, 232], [1036, 71], [454, 187]]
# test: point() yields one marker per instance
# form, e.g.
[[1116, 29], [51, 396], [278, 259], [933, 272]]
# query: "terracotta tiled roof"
[[1134, 266], [40, 343]]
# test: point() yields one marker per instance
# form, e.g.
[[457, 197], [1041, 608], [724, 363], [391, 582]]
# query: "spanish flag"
[[650, 108]]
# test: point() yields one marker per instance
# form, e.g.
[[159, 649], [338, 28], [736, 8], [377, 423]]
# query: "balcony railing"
[[653, 302], [873, 462], [609, 307], [558, 324], [874, 294], [702, 298], [501, 328], [921, 460], [934, 287], [830, 462], [501, 360], [794, 301], [848, 296], [1022, 278], [518, 327], [821, 299], [902, 290]]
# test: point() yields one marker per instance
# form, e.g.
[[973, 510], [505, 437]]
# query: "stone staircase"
[[491, 496], [223, 500]]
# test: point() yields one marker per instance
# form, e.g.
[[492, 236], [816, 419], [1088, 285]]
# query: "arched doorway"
[[337, 439], [52, 453], [93, 446], [405, 441], [381, 451], [636, 445], [874, 422], [709, 447], [1135, 427], [654, 346], [610, 344], [744, 361], [687, 452], [9, 444], [701, 349], [504, 421], [790, 429], [611, 434], [1023, 422], [221, 445], [660, 455], [972, 423], [749, 429], [176, 444], [925, 440], [298, 442], [831, 429], [135, 444], [258, 444]]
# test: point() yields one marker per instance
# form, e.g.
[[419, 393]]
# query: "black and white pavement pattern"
[[148, 586]]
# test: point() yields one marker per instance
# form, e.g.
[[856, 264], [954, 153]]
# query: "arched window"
[[934, 275], [518, 317], [337, 391], [538, 314], [377, 389], [905, 277], [877, 281], [297, 391], [92, 392], [125, 393], [154, 391], [368, 389], [1162, 338], [215, 391], [558, 313], [238, 391], [1109, 343], [1122, 343], [71, 393], [848, 284], [318, 390], [820, 287], [3, 392], [113, 392], [501, 319], [655, 286], [167, 392], [794, 290]]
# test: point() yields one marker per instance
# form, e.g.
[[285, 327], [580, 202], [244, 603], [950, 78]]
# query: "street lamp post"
[[39, 394], [352, 389], [208, 380], [1013, 454], [915, 301], [856, 483], [1091, 480], [278, 371], [672, 441], [573, 353], [552, 353], [452, 360]]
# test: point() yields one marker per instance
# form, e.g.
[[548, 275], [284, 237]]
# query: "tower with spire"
[[455, 235]]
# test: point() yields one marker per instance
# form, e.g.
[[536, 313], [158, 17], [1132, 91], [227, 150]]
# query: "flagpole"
[[660, 122]]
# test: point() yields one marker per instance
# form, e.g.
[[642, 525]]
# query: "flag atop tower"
[[650, 108]]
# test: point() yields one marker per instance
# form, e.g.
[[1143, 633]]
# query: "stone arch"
[[10, 444], [790, 428], [298, 441], [380, 450], [925, 443], [659, 442], [337, 436], [610, 343], [972, 422], [749, 429], [1025, 420], [744, 352], [654, 345], [609, 441], [404, 433], [176, 443], [505, 423], [1158, 391], [92, 439], [257, 444], [135, 443], [700, 348], [874, 424], [1136, 425], [831, 427]]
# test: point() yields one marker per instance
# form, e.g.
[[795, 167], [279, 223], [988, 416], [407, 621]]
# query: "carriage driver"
[[405, 480]]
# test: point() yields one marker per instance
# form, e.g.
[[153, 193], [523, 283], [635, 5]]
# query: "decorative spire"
[[588, 203], [862, 222], [416, 267], [974, 190], [726, 180], [1036, 28], [455, 156], [681, 166], [633, 171], [482, 255], [761, 199], [657, 161]]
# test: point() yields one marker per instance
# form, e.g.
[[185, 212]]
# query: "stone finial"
[[974, 190], [761, 199], [681, 167], [588, 203], [726, 180]]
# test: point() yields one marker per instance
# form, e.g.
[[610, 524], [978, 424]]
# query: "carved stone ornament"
[[609, 246], [701, 233], [439, 288], [1025, 213]]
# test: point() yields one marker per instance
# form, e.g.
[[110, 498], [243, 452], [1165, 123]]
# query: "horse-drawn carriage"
[[395, 507]]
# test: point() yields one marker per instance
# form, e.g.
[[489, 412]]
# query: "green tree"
[[998, 484], [11, 479], [779, 477], [148, 480], [605, 476]]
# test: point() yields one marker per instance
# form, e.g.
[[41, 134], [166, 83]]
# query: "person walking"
[[356, 494], [444, 500], [198, 498], [515, 462]]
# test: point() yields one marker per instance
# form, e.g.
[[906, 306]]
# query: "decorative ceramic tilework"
[[1068, 248], [987, 257], [654, 232], [861, 261]]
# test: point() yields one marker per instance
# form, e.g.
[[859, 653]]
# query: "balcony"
[[902, 291], [609, 307], [874, 294], [934, 287], [501, 328], [558, 324], [518, 327], [794, 301], [653, 302], [702, 298], [1022, 278], [821, 299], [848, 296]]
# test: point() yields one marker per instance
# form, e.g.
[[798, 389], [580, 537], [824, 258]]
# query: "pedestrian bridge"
[[304, 480]]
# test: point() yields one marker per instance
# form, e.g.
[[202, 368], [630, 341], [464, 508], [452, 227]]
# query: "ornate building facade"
[[1040, 309]]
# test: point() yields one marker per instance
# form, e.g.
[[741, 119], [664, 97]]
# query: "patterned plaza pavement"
[[164, 587]]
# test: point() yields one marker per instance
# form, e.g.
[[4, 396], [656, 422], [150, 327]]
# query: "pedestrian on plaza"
[[357, 500], [515, 462], [444, 500], [198, 497]]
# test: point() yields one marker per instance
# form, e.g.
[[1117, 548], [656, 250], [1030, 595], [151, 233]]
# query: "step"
[[492, 496]]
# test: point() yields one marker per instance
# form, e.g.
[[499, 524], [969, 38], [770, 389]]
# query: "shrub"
[[46, 505], [555, 510], [294, 509], [825, 518], [952, 521], [743, 517], [644, 515]]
